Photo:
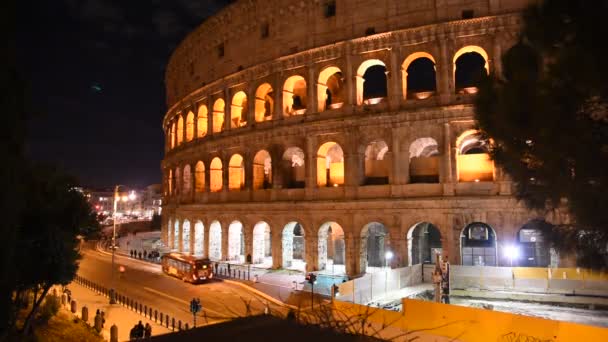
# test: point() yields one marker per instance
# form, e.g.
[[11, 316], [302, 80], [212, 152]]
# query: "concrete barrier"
[[375, 285]]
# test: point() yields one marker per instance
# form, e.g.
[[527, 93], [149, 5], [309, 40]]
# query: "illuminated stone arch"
[[238, 110], [186, 237], [330, 89], [371, 69], [262, 170], [473, 162], [236, 242], [330, 165], [423, 243], [262, 245], [186, 183], [377, 163], [475, 58], [215, 241], [199, 238], [218, 115], [331, 248], [202, 121], [215, 175], [294, 96], [533, 245], [264, 103], [172, 135], [170, 182], [424, 161], [293, 246], [190, 126], [478, 243], [374, 245], [418, 66], [174, 132], [236, 173], [199, 177], [292, 168], [180, 131]]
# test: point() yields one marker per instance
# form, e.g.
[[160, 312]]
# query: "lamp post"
[[116, 199], [511, 252]]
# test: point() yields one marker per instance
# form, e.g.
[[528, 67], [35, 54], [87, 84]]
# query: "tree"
[[547, 117], [47, 240]]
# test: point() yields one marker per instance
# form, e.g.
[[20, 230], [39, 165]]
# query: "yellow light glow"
[[125, 198]]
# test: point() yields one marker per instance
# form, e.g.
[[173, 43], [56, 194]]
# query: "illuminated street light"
[[132, 196], [116, 199], [511, 252]]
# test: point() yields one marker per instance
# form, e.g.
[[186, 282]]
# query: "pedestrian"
[[133, 333], [97, 322], [139, 255], [215, 265], [140, 330], [148, 330], [228, 265], [103, 318]]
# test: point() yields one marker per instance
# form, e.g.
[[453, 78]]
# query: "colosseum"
[[319, 135]]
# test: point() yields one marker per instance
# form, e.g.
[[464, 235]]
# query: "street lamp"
[[387, 258], [116, 199], [511, 252]]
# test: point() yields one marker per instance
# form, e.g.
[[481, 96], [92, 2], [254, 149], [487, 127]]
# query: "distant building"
[[132, 204]]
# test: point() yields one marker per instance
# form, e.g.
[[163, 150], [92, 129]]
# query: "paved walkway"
[[123, 317]]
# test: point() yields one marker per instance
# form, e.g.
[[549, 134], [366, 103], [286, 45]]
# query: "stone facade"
[[234, 121]]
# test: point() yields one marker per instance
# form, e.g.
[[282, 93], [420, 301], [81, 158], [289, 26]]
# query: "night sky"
[[95, 72]]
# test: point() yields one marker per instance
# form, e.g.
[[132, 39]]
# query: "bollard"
[[179, 325], [114, 333], [161, 318], [64, 299], [167, 321], [85, 314], [155, 316], [239, 273], [98, 323], [140, 310], [186, 327], [73, 306], [173, 323], [145, 311]]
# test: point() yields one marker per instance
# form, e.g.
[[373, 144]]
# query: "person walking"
[[140, 330], [148, 330]]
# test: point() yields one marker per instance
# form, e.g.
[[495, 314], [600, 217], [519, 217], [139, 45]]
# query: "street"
[[146, 284]]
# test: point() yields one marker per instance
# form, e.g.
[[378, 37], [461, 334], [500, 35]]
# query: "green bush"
[[49, 308]]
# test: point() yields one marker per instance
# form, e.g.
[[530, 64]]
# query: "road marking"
[[179, 300]]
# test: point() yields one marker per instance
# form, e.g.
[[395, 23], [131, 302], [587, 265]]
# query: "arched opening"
[[174, 130], [176, 240], [180, 131], [199, 238], [218, 115], [293, 172], [186, 182], [172, 135], [262, 170], [293, 246], [236, 173], [186, 237], [424, 161], [374, 245], [202, 121], [264, 103], [199, 177], [423, 243], [215, 176], [473, 162], [236, 242], [470, 66], [371, 82], [215, 241], [332, 252], [170, 182], [294, 96], [377, 163], [238, 111], [262, 245], [190, 126], [330, 165], [478, 245], [330, 89], [419, 78], [534, 249]]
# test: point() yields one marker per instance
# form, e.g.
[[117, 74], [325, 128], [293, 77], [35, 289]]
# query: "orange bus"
[[187, 268]]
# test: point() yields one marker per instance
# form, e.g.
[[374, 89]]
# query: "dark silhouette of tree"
[[547, 116]]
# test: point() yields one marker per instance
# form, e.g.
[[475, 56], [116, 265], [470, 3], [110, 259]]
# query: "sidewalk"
[[117, 314]]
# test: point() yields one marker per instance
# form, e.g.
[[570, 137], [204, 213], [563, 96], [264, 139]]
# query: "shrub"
[[50, 307]]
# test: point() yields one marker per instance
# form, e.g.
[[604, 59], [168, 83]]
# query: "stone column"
[[192, 182], [205, 240], [352, 168], [225, 235], [180, 240], [227, 109], [312, 250], [206, 189], [195, 126], [276, 233], [250, 106], [399, 248], [351, 255], [444, 72], [400, 174], [192, 235], [311, 91], [311, 165], [495, 61], [277, 87], [394, 92], [209, 116], [447, 170], [349, 77], [248, 165], [248, 238], [277, 165]]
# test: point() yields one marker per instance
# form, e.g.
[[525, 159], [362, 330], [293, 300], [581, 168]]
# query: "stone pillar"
[[444, 72], [400, 174], [192, 235], [312, 250], [206, 240], [248, 238], [399, 248], [225, 173], [192, 182], [250, 106], [207, 176], [394, 93], [180, 240], [195, 126], [248, 165], [184, 128], [349, 77], [227, 109], [225, 235], [277, 165], [277, 87], [447, 175], [209, 117], [276, 234], [496, 60], [352, 168], [351, 255], [311, 165], [311, 91]]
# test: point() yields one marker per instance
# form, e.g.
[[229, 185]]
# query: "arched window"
[[236, 173], [174, 133], [371, 82], [423, 243], [215, 175], [262, 170], [374, 245], [294, 96], [199, 177], [218, 115], [262, 243], [264, 103], [190, 126], [534, 249], [419, 80], [187, 180], [180, 130], [470, 65], [478, 245], [171, 132], [238, 111], [330, 89], [202, 121], [215, 241], [170, 182], [473, 161], [424, 161], [330, 165], [331, 248], [376, 163], [292, 168], [199, 238], [293, 244], [236, 242]]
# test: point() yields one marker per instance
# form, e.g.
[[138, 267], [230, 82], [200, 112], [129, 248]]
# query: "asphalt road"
[[147, 284]]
